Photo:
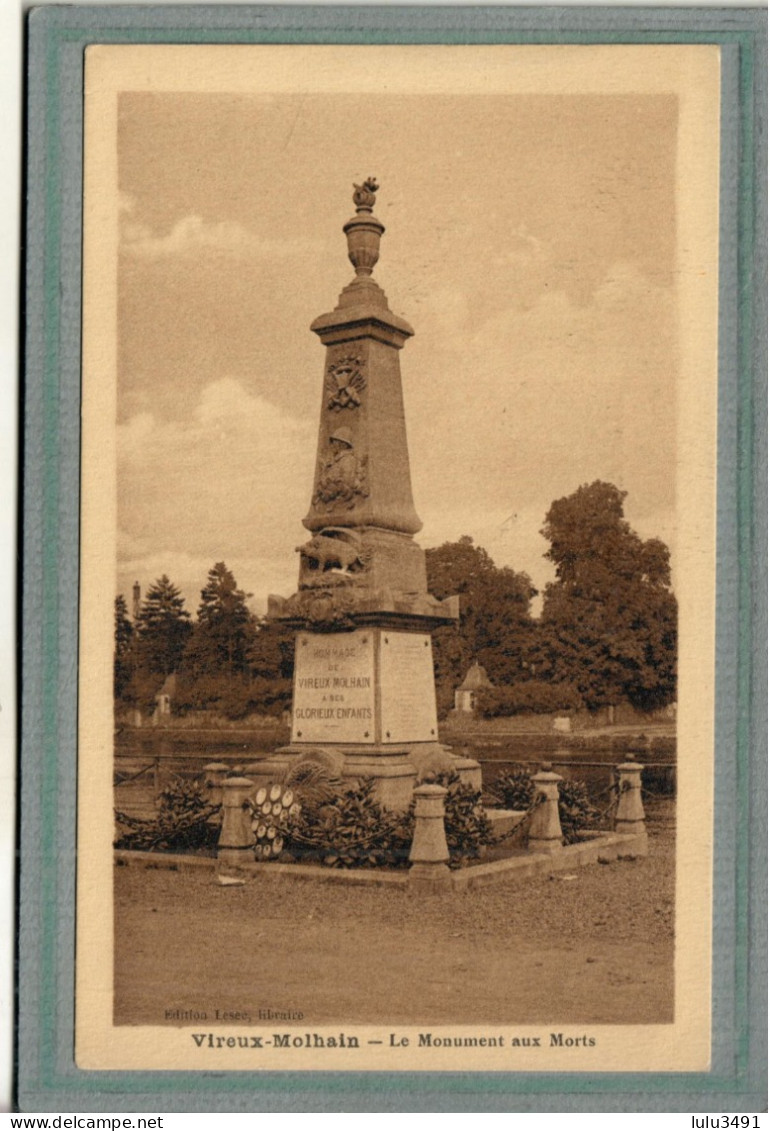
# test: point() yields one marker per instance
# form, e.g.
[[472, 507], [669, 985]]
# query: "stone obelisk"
[[364, 693]]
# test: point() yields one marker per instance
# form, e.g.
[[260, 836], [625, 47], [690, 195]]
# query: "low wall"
[[603, 848]]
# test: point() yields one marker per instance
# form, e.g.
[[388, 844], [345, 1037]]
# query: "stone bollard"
[[236, 840], [545, 833], [630, 813], [213, 776], [429, 853]]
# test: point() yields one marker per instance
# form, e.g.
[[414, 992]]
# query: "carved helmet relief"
[[342, 474]]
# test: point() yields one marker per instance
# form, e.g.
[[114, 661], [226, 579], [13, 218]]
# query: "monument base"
[[394, 770], [364, 706]]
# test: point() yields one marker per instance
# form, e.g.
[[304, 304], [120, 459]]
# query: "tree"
[[609, 621], [224, 628], [124, 635], [162, 629], [271, 652], [495, 624], [271, 664]]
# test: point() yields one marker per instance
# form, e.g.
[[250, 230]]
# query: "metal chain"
[[132, 777], [538, 800]]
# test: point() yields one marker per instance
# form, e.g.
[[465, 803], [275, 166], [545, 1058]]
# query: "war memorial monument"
[[364, 698]]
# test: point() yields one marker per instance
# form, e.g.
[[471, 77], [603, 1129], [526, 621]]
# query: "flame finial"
[[363, 196]]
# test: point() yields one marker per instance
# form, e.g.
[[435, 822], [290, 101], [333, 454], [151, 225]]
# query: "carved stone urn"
[[364, 230]]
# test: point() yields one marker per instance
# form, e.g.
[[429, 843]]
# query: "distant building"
[[476, 680], [164, 698]]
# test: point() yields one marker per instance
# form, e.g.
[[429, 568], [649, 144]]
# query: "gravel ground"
[[591, 946]]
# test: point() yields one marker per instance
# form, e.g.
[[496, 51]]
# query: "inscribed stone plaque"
[[407, 688], [334, 687]]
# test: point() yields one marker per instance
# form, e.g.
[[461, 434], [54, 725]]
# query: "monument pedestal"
[[365, 707], [369, 687]]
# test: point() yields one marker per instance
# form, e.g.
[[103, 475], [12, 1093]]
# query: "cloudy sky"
[[532, 244]]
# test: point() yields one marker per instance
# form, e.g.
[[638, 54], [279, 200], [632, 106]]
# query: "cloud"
[[521, 249], [231, 482], [538, 401], [189, 235], [192, 236], [254, 427]]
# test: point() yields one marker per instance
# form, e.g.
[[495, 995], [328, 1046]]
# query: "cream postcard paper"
[[551, 220]]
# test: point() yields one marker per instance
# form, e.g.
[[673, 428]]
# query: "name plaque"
[[407, 688], [334, 687]]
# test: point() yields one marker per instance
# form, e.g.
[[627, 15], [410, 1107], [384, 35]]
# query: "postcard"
[[502, 371]]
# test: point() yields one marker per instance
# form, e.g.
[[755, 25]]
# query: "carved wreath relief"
[[345, 382], [329, 609]]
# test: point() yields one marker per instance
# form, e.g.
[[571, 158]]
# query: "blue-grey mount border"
[[48, 1079]]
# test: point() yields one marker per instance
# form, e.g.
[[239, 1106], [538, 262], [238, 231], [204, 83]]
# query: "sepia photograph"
[[398, 553]]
